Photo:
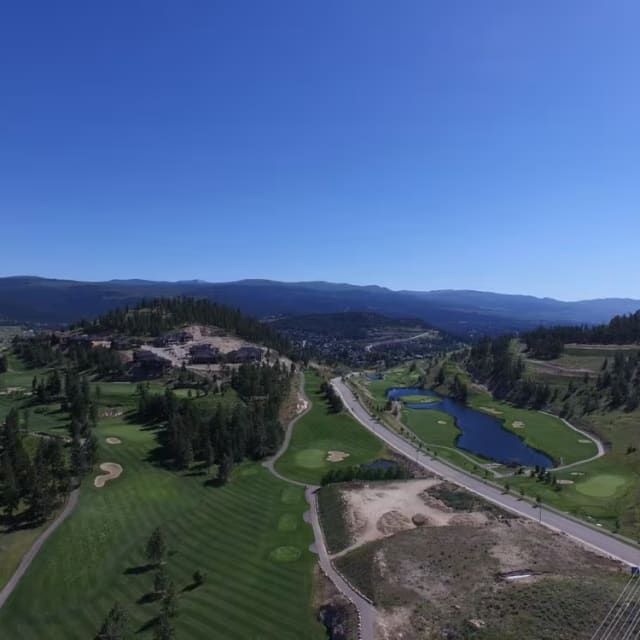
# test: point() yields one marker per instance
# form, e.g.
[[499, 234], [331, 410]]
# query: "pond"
[[482, 434]]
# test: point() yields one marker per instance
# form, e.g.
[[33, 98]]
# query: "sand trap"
[[565, 481], [495, 412], [585, 441], [377, 511], [442, 422], [112, 440], [337, 456], [518, 424], [112, 469], [577, 473]]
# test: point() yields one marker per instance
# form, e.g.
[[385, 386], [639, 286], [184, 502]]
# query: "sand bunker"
[[442, 422], [112, 469], [112, 440], [495, 412], [564, 481], [377, 511], [584, 441], [577, 473], [518, 424], [337, 456]]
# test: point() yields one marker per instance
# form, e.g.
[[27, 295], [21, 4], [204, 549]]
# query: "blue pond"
[[482, 434]]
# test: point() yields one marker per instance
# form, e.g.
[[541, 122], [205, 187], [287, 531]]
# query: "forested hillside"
[[153, 317], [547, 343]]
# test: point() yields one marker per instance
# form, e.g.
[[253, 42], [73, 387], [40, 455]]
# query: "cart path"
[[37, 545], [366, 610]]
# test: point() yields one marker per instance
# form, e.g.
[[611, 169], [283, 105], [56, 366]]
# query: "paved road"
[[366, 610], [583, 533], [31, 554]]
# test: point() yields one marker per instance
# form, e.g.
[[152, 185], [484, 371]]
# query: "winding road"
[[366, 611], [583, 533], [31, 554]]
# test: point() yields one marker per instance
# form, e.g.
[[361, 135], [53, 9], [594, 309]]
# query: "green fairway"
[[319, 432], [541, 431], [432, 427], [601, 486], [248, 537]]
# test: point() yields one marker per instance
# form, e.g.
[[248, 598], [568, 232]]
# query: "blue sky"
[[415, 144]]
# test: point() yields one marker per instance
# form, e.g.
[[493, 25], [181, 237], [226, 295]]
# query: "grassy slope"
[[319, 432], [227, 532]]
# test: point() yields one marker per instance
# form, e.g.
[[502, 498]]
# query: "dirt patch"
[[11, 390], [436, 582], [376, 511], [112, 471], [491, 410], [393, 522], [337, 456], [518, 424], [112, 440], [112, 412]]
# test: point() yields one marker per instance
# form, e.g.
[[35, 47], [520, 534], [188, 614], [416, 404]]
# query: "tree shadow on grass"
[[213, 482], [136, 571], [191, 587], [148, 625], [148, 598]]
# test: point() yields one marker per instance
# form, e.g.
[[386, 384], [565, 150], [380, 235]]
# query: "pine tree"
[[156, 547], [115, 625]]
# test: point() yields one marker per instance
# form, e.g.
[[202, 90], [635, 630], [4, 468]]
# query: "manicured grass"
[[603, 491], [543, 432], [427, 425], [259, 570], [601, 486], [319, 432]]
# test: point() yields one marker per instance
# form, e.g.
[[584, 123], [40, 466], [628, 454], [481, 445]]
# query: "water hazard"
[[482, 434]]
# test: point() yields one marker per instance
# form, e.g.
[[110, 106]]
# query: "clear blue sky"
[[491, 145]]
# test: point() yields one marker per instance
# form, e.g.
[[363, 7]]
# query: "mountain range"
[[31, 299]]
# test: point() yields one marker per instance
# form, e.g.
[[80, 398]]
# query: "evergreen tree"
[[115, 625], [156, 547]]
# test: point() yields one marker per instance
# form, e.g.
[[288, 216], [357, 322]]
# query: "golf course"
[[320, 433], [247, 538]]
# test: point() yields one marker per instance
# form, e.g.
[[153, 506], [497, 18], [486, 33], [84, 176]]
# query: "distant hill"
[[464, 313]]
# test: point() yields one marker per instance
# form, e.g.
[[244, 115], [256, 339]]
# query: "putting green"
[[311, 458], [285, 554], [600, 486]]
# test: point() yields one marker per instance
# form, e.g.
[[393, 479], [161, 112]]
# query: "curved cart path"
[[366, 611], [37, 545]]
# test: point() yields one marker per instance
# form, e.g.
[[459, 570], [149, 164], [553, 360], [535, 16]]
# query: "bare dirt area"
[[491, 410], [471, 570], [113, 440], [378, 510], [112, 471]]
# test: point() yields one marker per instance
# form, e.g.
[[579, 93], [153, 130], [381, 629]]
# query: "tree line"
[[40, 480], [547, 343], [364, 472], [225, 435]]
